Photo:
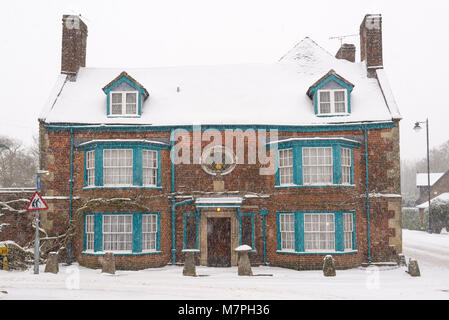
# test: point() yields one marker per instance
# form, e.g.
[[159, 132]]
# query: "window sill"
[[119, 253], [122, 187], [317, 252], [190, 250], [124, 116], [314, 186], [333, 115]]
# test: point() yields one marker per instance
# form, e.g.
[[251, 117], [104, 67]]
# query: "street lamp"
[[418, 128]]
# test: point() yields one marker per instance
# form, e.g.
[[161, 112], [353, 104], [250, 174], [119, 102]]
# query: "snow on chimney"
[[347, 52], [74, 40], [371, 43]]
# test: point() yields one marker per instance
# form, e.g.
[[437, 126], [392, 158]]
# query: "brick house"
[[439, 189], [309, 164]]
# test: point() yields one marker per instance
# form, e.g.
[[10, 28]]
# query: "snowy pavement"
[[76, 282]]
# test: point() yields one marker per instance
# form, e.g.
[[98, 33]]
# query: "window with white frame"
[[332, 101], [287, 231], [319, 232], [317, 166], [89, 227], [124, 103], [149, 232], [345, 166], [149, 167], [117, 232], [90, 168], [348, 228], [117, 167], [285, 167]]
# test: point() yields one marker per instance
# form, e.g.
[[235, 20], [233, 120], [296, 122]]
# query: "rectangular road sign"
[[4, 250]]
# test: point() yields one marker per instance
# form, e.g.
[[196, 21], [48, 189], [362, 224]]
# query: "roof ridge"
[[302, 41]]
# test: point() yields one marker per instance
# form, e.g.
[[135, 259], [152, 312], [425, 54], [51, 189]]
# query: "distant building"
[[439, 189], [107, 136]]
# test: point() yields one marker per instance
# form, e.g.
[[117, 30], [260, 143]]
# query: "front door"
[[219, 242]]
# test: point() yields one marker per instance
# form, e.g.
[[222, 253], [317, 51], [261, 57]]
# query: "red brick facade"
[[191, 179]]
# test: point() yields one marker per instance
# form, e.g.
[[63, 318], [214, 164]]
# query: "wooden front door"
[[219, 242]]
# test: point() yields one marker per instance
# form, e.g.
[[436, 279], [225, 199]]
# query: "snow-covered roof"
[[444, 197], [421, 178], [265, 94]]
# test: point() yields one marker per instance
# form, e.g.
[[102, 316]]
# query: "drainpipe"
[[367, 194], [71, 196], [264, 213], [173, 204]]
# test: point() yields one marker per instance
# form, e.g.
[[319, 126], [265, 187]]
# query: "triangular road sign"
[[37, 203]]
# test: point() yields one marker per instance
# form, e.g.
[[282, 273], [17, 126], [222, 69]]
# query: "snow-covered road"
[[76, 282], [431, 250]]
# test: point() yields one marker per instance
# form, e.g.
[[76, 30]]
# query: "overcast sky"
[[203, 32]]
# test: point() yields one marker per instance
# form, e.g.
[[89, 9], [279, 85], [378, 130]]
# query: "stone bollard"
[[5, 263], [244, 265], [413, 268], [401, 260], [189, 263], [108, 263], [329, 266], [52, 263]]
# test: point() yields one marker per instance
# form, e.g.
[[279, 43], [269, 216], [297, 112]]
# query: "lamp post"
[[417, 128], [36, 236]]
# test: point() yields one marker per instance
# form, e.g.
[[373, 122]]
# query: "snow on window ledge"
[[120, 253], [317, 252]]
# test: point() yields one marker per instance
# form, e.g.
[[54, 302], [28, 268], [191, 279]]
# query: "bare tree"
[[17, 164]]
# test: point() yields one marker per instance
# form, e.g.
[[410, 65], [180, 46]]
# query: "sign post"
[[36, 204]]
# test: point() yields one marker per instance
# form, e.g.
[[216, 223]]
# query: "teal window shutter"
[[137, 233], [339, 232], [98, 227]]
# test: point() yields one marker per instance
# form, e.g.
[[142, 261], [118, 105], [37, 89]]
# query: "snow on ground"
[[431, 251]]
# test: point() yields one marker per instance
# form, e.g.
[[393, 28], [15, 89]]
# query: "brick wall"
[[384, 171]]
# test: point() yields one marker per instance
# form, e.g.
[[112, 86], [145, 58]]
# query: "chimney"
[[74, 40], [347, 52], [371, 43]]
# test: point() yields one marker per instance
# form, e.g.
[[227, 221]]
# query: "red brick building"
[[297, 159]]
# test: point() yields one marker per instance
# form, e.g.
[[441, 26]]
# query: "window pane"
[[117, 232], [149, 232], [339, 96], [131, 97], [116, 109], [287, 231], [116, 98], [117, 164], [325, 96], [317, 165], [285, 166], [319, 231]]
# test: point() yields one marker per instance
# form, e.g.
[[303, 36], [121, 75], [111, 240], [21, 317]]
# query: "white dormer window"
[[124, 103], [332, 102]]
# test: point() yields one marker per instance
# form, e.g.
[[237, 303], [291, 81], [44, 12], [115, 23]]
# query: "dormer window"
[[125, 97], [124, 103], [331, 95], [332, 101]]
